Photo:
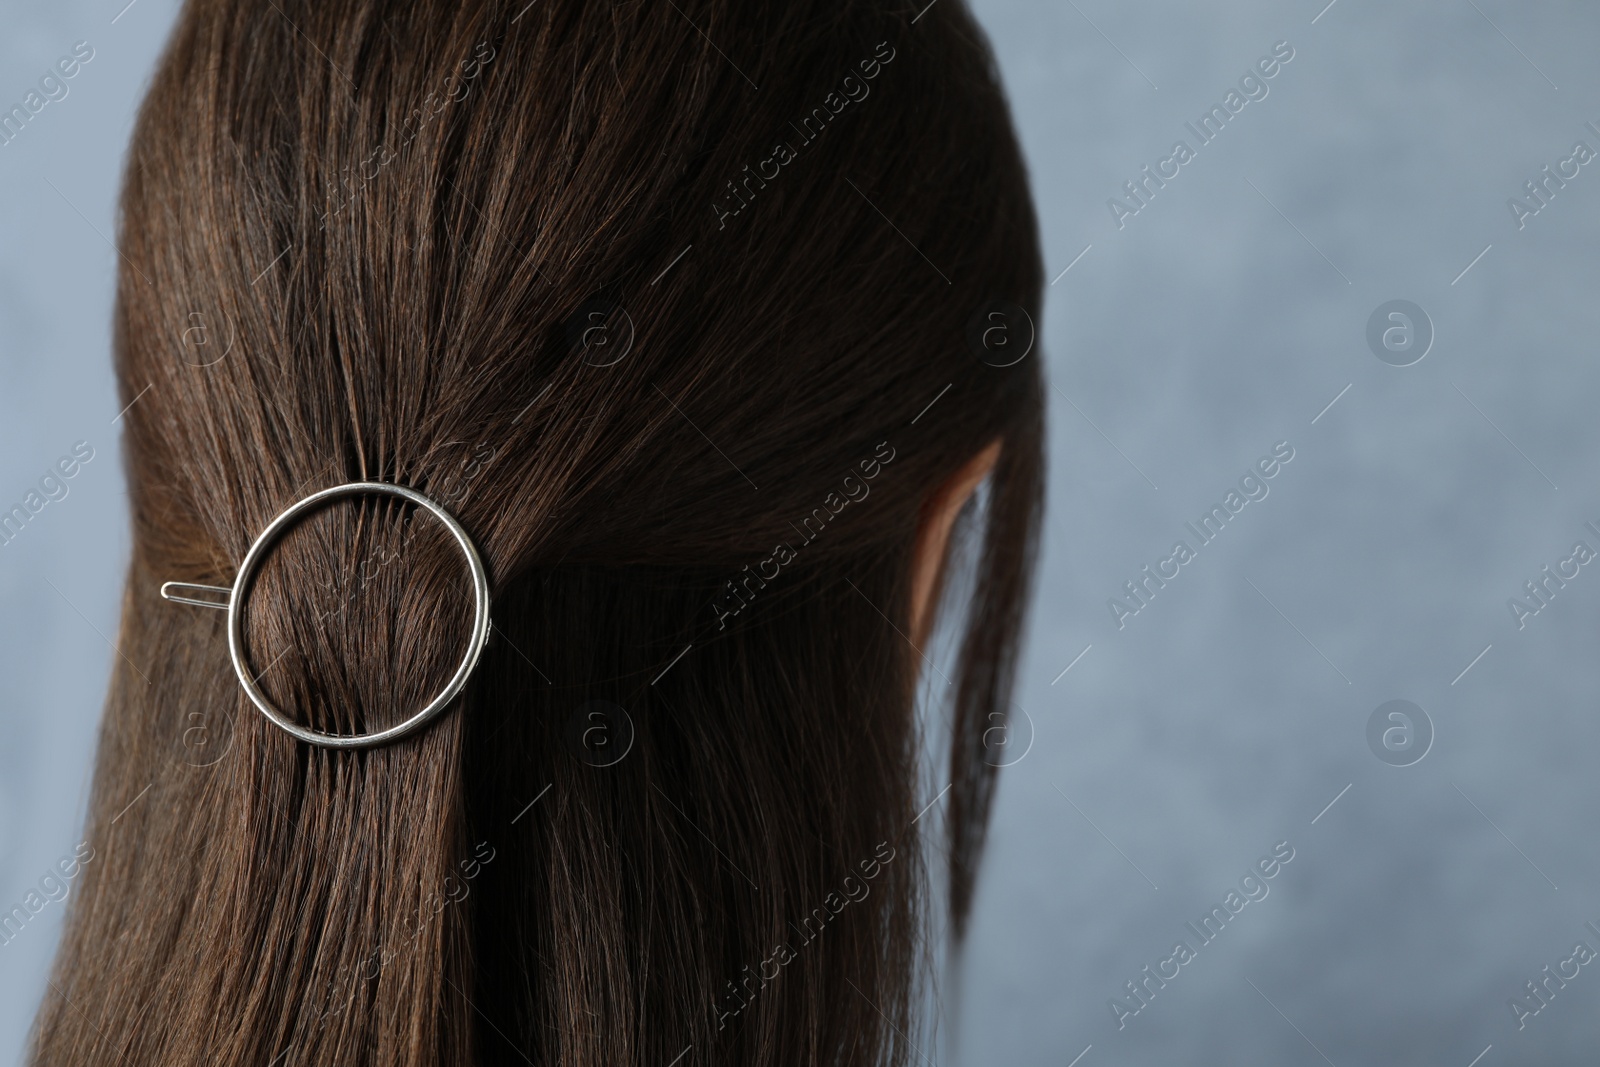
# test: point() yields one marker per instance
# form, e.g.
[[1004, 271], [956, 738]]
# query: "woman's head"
[[687, 312]]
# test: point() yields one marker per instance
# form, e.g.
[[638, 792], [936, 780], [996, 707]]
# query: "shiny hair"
[[688, 358]]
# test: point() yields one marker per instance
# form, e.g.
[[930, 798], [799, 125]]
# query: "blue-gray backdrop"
[[1346, 266]]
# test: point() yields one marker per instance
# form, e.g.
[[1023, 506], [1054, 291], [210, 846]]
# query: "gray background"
[[1227, 714]]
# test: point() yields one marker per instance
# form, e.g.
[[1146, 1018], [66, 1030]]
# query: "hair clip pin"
[[169, 591], [232, 601]]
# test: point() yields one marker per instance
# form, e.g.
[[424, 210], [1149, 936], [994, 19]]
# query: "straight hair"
[[486, 250]]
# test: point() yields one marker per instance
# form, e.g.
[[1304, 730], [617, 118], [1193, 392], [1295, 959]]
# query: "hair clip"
[[233, 602]]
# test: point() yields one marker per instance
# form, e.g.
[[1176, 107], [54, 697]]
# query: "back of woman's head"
[[687, 358]]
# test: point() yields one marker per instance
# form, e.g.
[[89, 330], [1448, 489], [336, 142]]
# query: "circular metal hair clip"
[[234, 605]]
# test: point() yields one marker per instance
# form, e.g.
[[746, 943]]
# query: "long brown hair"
[[683, 309]]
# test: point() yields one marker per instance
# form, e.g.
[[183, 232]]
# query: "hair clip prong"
[[169, 591]]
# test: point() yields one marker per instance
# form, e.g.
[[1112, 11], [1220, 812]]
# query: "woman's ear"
[[939, 513]]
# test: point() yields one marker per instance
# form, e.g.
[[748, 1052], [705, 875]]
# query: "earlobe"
[[933, 534]]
